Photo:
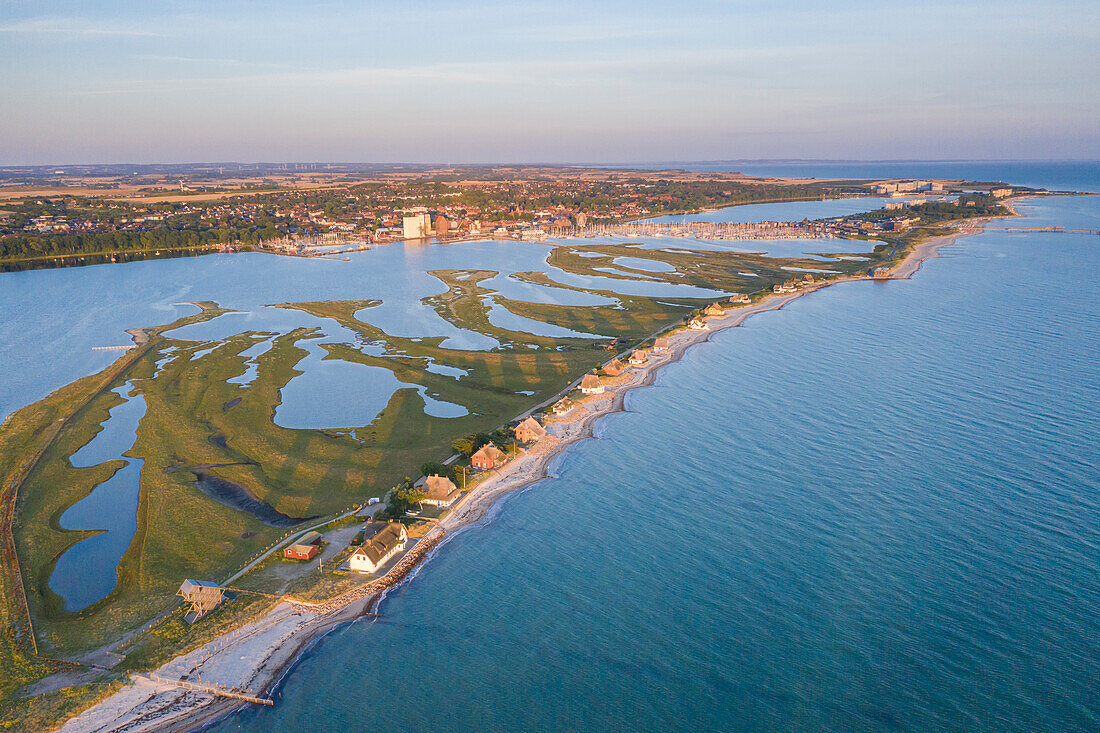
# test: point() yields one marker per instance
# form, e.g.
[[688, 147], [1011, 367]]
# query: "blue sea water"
[[1055, 175], [877, 509]]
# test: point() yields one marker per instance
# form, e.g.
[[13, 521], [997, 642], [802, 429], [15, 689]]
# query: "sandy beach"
[[256, 656]]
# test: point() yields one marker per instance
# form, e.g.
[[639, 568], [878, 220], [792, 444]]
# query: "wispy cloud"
[[673, 67], [73, 27], [189, 59]]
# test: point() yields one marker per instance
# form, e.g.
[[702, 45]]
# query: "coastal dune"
[[255, 657]]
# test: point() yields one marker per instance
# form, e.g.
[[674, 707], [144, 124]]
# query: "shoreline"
[[260, 654]]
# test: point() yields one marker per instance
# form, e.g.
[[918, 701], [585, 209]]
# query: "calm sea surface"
[[877, 509]]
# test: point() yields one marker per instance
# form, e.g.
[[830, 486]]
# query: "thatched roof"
[[530, 426], [590, 381], [440, 488], [489, 452], [563, 405], [392, 535]]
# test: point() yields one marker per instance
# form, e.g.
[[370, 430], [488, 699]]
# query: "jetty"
[[220, 691]]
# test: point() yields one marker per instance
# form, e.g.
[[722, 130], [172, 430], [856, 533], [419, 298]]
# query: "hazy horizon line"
[[559, 164]]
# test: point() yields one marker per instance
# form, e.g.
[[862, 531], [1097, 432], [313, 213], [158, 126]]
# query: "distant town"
[[65, 216]]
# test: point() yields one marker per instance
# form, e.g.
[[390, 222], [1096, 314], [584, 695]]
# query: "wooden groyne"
[[230, 692]]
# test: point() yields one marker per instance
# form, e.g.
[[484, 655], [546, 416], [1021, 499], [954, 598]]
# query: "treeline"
[[968, 207], [21, 246]]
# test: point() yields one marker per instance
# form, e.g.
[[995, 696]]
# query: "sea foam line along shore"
[[259, 654]]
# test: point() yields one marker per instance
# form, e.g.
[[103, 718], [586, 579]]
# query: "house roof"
[[193, 590], [301, 549], [383, 542], [532, 425], [439, 488], [590, 381], [488, 452]]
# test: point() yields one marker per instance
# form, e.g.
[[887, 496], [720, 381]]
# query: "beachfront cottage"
[[882, 273], [638, 357], [306, 547], [613, 368], [488, 456], [661, 344], [563, 406], [714, 310], [807, 279], [529, 430], [379, 549], [697, 324], [590, 384], [739, 298], [439, 491]]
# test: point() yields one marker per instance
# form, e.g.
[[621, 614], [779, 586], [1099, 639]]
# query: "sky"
[[421, 81]]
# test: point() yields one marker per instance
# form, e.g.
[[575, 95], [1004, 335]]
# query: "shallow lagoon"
[[55, 317], [85, 573]]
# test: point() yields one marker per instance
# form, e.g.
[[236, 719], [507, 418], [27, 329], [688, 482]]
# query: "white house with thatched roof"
[[661, 343], [563, 406], [439, 491], [739, 298], [638, 357], [714, 310], [591, 384], [697, 324], [379, 549]]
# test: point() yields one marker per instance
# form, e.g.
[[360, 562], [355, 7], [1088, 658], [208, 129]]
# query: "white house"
[[439, 491], [590, 384], [379, 549]]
